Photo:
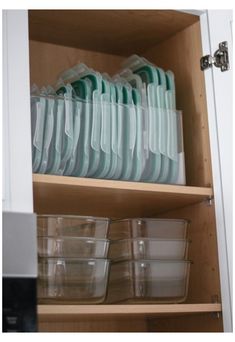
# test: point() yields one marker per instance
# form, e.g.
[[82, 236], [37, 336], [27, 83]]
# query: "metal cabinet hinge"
[[220, 59]]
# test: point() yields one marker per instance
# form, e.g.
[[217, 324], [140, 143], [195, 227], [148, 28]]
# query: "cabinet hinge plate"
[[219, 60]]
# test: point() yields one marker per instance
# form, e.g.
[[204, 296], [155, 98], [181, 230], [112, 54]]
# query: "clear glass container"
[[69, 225], [148, 228], [72, 247], [72, 280], [144, 248], [148, 281]]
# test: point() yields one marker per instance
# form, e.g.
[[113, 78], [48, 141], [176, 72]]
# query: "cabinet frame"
[[18, 178], [225, 277]]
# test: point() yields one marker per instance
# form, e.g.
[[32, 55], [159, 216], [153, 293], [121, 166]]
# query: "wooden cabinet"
[[103, 39]]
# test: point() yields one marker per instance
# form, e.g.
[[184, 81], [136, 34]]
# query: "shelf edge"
[[127, 309], [121, 185]]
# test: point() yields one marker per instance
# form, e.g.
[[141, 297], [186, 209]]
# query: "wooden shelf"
[[86, 196], [47, 311]]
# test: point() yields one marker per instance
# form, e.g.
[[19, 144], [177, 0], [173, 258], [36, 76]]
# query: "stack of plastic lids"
[[149, 261], [125, 127], [72, 264]]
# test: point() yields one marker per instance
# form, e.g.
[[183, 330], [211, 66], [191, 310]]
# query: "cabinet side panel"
[[47, 61], [204, 284], [181, 54]]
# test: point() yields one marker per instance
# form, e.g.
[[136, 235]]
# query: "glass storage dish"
[[144, 248], [73, 226], [148, 228], [148, 281], [72, 280], [72, 247]]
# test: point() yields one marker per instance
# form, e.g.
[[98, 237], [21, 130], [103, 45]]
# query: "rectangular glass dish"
[[72, 247], [148, 281], [73, 226], [72, 280], [148, 228], [144, 248]]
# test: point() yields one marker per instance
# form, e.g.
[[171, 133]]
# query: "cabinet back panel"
[[93, 324], [208, 322], [181, 54], [47, 61]]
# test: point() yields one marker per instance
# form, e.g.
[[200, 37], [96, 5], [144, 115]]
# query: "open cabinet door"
[[216, 26]]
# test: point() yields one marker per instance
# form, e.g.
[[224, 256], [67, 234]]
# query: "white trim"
[[216, 167], [6, 199], [17, 182]]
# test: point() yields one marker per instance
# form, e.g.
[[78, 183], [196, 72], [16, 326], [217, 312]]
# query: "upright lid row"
[[125, 127]]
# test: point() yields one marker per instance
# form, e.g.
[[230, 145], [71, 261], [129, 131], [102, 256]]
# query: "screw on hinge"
[[215, 299]]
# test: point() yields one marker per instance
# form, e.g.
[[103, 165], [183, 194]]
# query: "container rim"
[[57, 258], [68, 237], [150, 239], [97, 218], [166, 261], [149, 219]]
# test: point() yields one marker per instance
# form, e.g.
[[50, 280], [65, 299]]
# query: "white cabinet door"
[[17, 165], [216, 26]]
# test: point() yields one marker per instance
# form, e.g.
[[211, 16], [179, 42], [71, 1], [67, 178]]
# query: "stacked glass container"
[[91, 260], [72, 259], [149, 261]]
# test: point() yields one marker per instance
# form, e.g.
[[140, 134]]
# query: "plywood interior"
[[174, 43], [204, 284], [114, 199], [48, 61], [181, 53], [136, 202], [209, 322], [61, 312], [120, 32], [206, 322], [102, 324]]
